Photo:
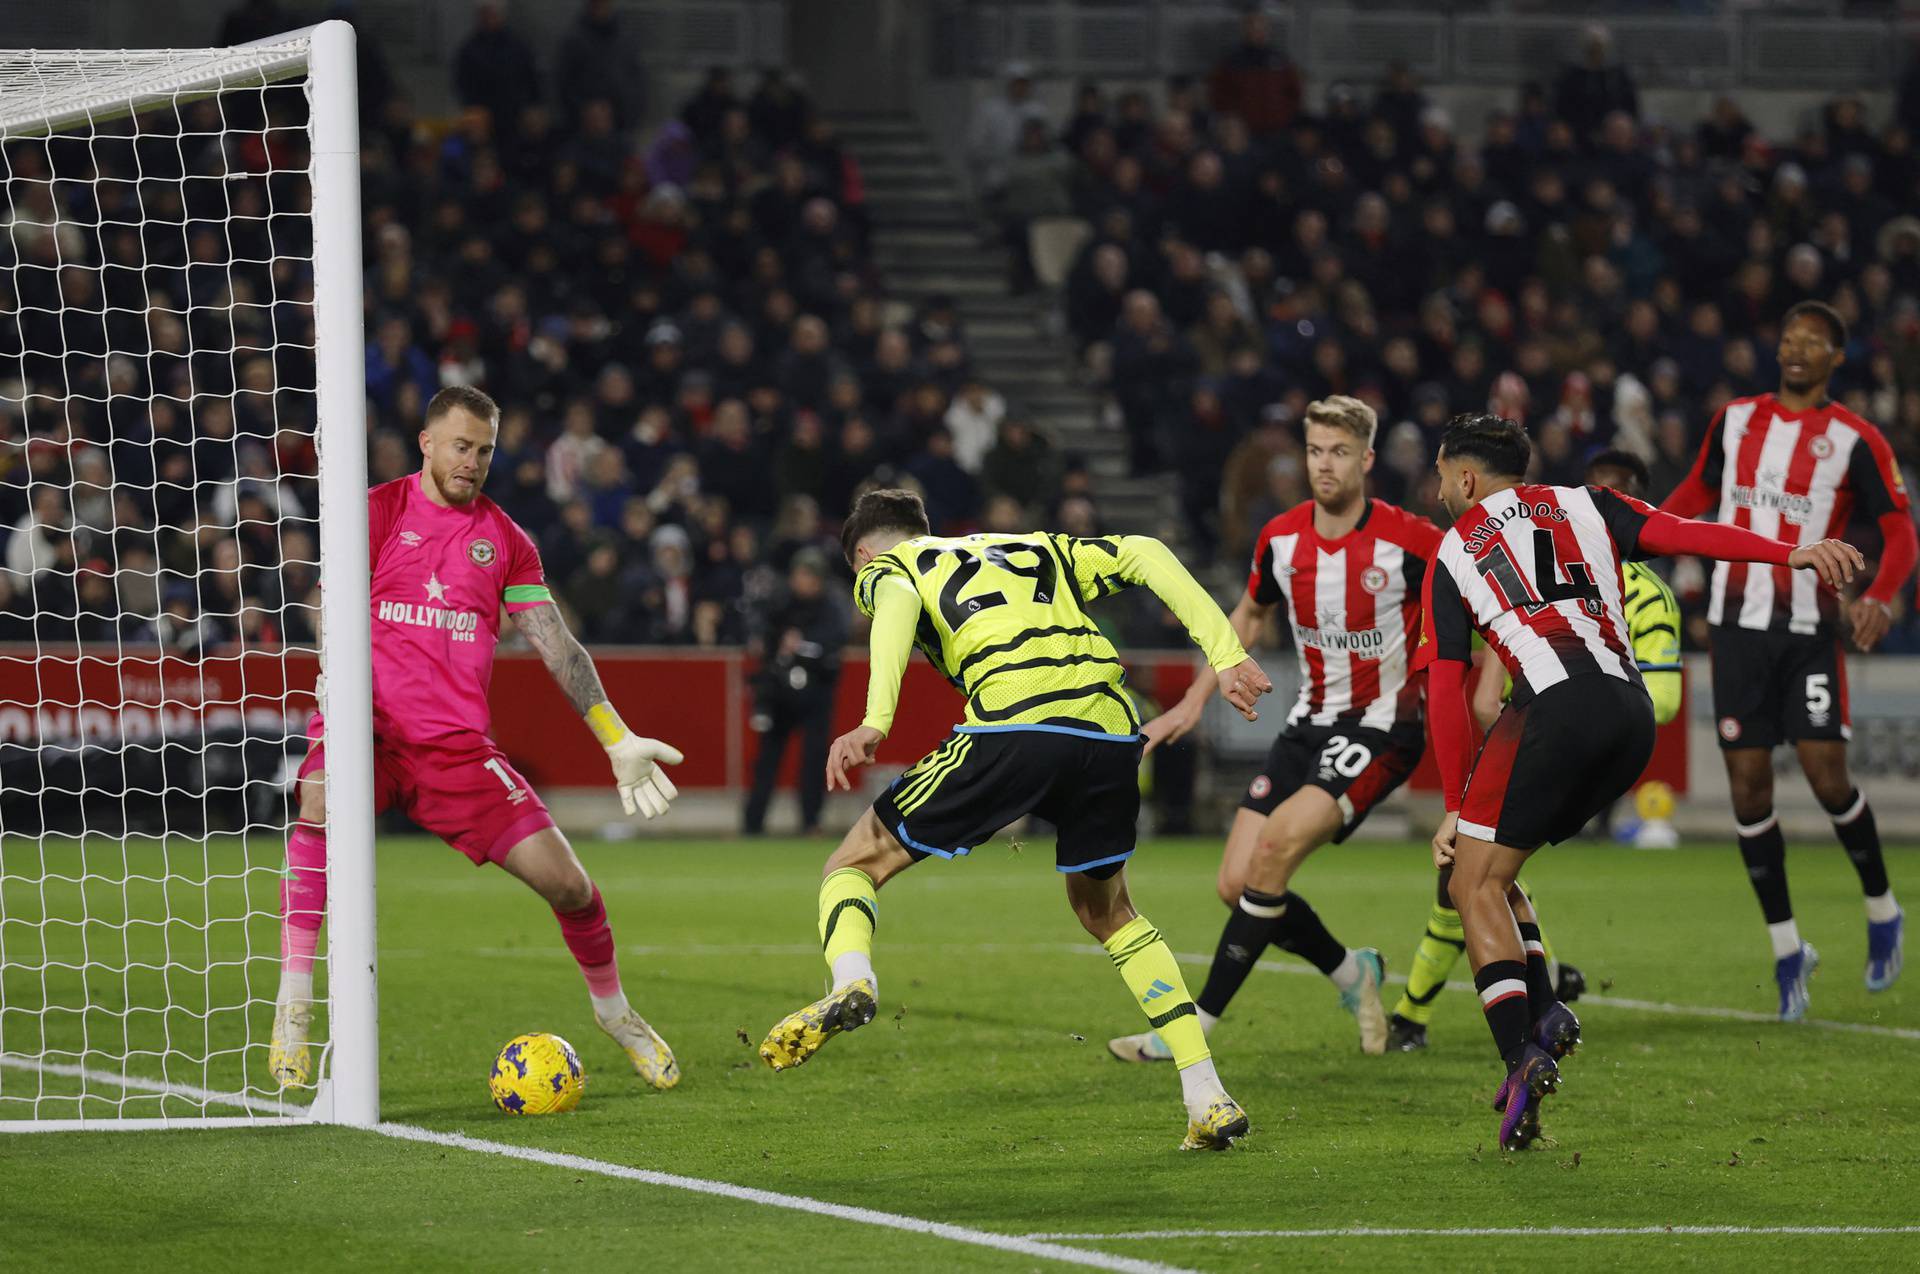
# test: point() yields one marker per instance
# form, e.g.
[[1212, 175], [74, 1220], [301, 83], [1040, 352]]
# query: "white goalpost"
[[183, 481]]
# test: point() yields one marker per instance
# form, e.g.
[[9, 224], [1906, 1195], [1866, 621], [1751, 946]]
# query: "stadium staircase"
[[927, 242]]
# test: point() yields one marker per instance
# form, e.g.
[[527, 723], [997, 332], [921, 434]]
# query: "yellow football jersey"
[[1004, 618], [1653, 624]]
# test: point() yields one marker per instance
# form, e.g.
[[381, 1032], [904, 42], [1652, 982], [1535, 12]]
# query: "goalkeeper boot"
[[1223, 1124], [1886, 942], [1558, 1031], [1362, 999], [652, 1059], [1792, 972], [1519, 1098], [798, 1036], [1404, 1035], [1148, 1047], [289, 1059]]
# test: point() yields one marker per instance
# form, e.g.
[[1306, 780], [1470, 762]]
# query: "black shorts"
[[1771, 688], [979, 781], [1546, 769], [1355, 765]]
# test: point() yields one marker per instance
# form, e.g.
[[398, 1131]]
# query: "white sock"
[[1882, 909], [851, 966], [610, 1008], [1200, 1086], [1347, 976], [1206, 1020], [1785, 937], [295, 986]]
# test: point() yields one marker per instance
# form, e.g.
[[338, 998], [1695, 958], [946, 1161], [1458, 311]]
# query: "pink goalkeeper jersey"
[[440, 577]]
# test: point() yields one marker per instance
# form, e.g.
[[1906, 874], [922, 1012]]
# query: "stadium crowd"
[[1606, 277], [683, 321], [700, 365]]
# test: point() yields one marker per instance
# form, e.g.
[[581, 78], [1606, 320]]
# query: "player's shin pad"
[[1147, 965]]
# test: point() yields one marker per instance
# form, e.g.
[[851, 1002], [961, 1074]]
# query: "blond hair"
[[1342, 412]]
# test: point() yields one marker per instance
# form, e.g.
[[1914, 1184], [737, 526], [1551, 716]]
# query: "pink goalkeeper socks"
[[303, 899], [591, 940]]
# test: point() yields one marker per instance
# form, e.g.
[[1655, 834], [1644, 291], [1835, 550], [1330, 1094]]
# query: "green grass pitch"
[[983, 1095]]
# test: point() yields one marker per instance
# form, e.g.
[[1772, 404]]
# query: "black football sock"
[[1860, 837], [1765, 852], [1300, 931], [1250, 926], [1540, 994], [1503, 998]]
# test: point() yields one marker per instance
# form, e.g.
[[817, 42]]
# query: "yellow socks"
[[849, 913], [1148, 967], [1439, 951]]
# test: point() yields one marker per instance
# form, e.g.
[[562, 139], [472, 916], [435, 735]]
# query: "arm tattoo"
[[566, 659]]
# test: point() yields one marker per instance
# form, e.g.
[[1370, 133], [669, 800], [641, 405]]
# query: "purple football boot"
[[1558, 1031], [1520, 1096]]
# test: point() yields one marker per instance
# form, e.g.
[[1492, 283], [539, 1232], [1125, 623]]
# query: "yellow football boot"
[[1222, 1125], [798, 1036], [652, 1059], [289, 1060]]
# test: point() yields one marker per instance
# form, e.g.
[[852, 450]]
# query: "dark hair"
[[463, 398], [1836, 325], [887, 510], [1638, 475], [1499, 445]]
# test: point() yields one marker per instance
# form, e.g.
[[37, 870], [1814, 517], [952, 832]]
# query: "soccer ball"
[[537, 1074]]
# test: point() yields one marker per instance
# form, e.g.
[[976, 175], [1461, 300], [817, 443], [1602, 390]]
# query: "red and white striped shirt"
[[1792, 476], [1354, 603], [1536, 570]]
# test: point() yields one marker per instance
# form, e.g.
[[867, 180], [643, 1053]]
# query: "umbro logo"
[[410, 538]]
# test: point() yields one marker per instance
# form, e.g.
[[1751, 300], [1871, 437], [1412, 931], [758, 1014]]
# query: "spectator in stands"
[[973, 418], [494, 68], [1586, 93], [993, 135], [597, 60], [1255, 81], [1037, 181]]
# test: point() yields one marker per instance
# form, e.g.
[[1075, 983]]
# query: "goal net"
[[182, 461]]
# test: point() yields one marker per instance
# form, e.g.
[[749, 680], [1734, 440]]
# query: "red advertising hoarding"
[[699, 700]]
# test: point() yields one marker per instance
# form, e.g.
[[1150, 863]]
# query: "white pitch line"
[[140, 1084], [1019, 1244], [1482, 1232], [1022, 1246]]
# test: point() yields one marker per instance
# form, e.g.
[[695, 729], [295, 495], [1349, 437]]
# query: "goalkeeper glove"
[[644, 786]]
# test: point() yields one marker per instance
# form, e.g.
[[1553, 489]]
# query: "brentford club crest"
[[1729, 729], [1821, 447], [1373, 579], [481, 551], [1259, 788]]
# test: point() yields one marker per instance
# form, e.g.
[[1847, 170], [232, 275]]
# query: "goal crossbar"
[[98, 85]]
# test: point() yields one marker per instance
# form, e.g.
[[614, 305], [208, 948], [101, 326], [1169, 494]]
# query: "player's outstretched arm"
[[1247, 620], [896, 612], [644, 786], [1664, 534], [1141, 559]]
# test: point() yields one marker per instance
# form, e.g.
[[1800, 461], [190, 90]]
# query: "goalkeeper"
[[1048, 731], [446, 561], [1653, 624]]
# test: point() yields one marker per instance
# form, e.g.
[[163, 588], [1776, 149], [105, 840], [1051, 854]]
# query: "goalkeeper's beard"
[[458, 488]]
